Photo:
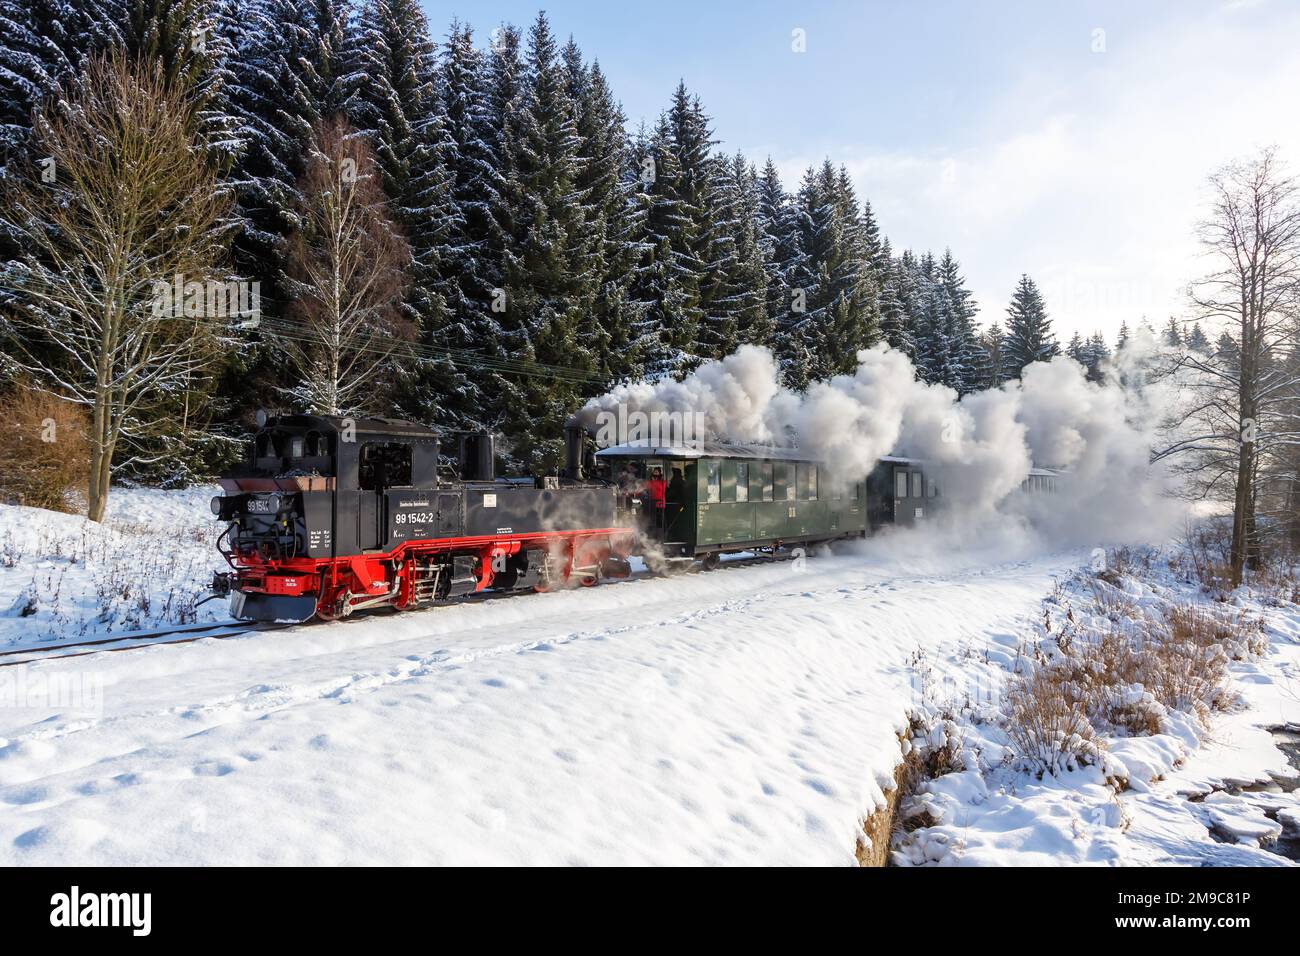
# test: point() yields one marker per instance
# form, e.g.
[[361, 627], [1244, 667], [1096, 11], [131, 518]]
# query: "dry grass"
[[1125, 679], [1110, 600], [1047, 722], [921, 762], [44, 452], [879, 826]]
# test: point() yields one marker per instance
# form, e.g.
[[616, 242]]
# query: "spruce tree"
[[962, 333], [43, 44], [191, 41], [392, 81], [616, 321], [993, 371], [1197, 340], [1077, 349], [778, 220], [840, 297], [1098, 353], [895, 327], [1029, 331], [547, 292], [667, 280]]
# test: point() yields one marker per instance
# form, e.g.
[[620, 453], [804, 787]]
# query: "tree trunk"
[[101, 452], [1240, 510]]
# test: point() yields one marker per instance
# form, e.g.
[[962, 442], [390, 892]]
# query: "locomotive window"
[[742, 481], [916, 484], [384, 465], [767, 481], [297, 444], [318, 445], [900, 484], [714, 479]]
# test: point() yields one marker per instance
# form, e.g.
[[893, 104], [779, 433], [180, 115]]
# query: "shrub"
[[1047, 723], [44, 449]]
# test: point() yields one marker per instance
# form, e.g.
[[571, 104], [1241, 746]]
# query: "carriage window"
[[916, 484], [384, 465], [791, 488], [812, 482], [900, 484], [931, 489], [742, 481], [714, 479], [767, 481], [837, 491]]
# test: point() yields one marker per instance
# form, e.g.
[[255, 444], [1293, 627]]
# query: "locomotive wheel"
[[589, 580], [339, 609], [711, 561]]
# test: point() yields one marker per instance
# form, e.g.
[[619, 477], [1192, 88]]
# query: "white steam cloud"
[[979, 448]]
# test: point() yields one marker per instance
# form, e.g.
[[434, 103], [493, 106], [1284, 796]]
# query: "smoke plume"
[[980, 448]]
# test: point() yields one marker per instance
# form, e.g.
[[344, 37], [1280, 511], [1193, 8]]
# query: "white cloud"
[[1091, 177]]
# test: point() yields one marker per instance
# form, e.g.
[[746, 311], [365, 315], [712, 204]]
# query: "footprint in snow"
[[820, 786], [26, 795], [32, 838], [213, 768]]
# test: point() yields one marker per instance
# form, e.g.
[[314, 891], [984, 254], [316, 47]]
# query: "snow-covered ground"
[[1214, 790], [748, 715], [63, 578]]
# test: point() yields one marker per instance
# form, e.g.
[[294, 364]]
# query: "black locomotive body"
[[333, 515]]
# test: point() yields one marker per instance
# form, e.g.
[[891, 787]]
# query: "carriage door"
[[676, 496], [900, 494]]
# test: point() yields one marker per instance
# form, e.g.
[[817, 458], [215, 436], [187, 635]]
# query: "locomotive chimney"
[[575, 438], [477, 456], [487, 457]]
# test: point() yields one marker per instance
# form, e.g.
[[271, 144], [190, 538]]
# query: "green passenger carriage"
[[707, 499]]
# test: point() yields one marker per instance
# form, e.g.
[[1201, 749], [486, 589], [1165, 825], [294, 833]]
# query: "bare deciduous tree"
[[1243, 414], [118, 200], [348, 272]]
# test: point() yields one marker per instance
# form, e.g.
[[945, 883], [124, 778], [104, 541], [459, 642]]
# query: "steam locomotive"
[[331, 516]]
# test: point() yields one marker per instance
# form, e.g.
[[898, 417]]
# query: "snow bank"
[[63, 577]]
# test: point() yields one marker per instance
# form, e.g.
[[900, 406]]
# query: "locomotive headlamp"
[[215, 504]]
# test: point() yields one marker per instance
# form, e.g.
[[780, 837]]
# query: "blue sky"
[[1067, 140]]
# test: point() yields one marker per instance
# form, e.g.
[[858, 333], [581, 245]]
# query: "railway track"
[[189, 633], [186, 634]]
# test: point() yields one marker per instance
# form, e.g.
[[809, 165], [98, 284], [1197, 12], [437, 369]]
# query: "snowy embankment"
[[64, 578], [1201, 766], [749, 715]]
